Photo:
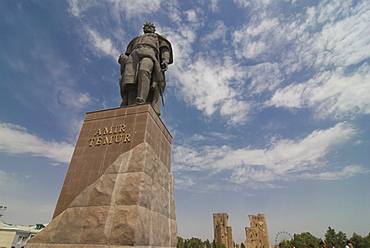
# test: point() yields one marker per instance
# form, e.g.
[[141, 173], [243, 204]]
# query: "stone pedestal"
[[118, 189]]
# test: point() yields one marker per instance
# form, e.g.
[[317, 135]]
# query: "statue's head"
[[149, 27]]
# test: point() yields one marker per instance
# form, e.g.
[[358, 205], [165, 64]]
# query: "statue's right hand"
[[164, 66]]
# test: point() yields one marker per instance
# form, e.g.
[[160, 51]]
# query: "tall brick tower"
[[257, 234], [222, 232]]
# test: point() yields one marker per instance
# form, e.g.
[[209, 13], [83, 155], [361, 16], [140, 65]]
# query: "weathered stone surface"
[[222, 232], [124, 226], [124, 207], [257, 234]]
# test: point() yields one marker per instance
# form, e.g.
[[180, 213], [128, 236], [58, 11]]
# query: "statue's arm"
[[165, 56], [166, 52], [124, 56], [122, 61]]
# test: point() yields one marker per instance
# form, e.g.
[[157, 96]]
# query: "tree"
[[242, 245], [360, 242], [207, 244], [215, 244], [180, 242], [304, 238], [367, 240], [195, 243], [338, 239]]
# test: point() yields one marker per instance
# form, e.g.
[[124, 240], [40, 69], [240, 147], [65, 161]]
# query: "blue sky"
[[267, 101]]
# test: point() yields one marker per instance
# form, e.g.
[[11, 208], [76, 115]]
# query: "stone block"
[[101, 192], [161, 230], [124, 226], [160, 200], [173, 233], [93, 226], [135, 189], [69, 227]]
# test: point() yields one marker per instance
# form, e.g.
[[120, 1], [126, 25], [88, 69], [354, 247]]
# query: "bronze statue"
[[142, 68]]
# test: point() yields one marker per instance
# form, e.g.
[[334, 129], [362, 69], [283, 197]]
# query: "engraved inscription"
[[110, 135]]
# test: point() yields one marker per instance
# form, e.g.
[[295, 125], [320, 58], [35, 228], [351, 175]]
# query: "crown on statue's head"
[[149, 24]]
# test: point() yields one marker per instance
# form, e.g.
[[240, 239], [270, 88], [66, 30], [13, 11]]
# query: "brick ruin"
[[222, 232], [257, 234]]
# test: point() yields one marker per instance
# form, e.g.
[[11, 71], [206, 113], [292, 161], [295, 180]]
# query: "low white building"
[[17, 235]]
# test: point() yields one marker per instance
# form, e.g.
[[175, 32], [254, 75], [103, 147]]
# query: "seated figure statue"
[[142, 68]]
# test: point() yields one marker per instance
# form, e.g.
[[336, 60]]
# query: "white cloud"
[[131, 9], [327, 43], [342, 39], [213, 83], [101, 44], [243, 3], [331, 93], [214, 5], [346, 172], [16, 140], [136, 8], [280, 159], [77, 7], [264, 76], [184, 182], [236, 111], [326, 35], [208, 82], [192, 15], [219, 32], [72, 99]]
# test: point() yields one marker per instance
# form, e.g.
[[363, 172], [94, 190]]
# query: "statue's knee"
[[144, 70], [146, 64]]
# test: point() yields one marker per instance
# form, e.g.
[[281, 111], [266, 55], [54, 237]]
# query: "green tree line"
[[339, 240], [197, 243]]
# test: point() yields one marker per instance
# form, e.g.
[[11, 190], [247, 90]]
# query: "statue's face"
[[148, 29]]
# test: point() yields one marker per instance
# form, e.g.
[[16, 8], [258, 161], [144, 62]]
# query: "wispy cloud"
[[131, 9], [72, 99], [102, 45], [280, 158], [326, 44], [330, 94], [219, 32], [16, 140], [208, 83], [214, 6], [137, 8], [346, 172]]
